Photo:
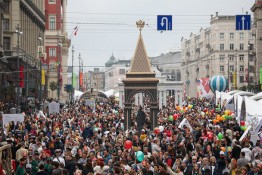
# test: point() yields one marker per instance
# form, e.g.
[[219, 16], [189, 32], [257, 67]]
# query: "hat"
[[221, 153], [142, 130], [58, 151]]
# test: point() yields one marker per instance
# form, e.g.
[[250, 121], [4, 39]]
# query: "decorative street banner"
[[203, 88], [7, 118], [53, 108], [91, 103]]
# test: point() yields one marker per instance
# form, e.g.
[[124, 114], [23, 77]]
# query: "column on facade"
[[176, 97], [141, 99], [164, 97], [120, 99], [180, 97], [136, 99], [160, 99]]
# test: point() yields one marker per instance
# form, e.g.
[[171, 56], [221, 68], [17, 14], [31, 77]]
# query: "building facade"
[[23, 27], [56, 46], [218, 50], [95, 80]]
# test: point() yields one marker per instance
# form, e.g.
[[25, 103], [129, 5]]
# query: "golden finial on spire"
[[140, 24]]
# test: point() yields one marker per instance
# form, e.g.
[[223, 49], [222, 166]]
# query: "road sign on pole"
[[243, 22], [164, 22]]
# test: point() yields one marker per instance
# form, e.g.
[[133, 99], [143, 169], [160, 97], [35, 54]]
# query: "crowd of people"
[[80, 141]]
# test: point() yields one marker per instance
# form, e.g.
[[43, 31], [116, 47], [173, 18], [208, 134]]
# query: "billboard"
[[203, 89]]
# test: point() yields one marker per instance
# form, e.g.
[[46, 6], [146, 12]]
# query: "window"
[[241, 79], [231, 57], [222, 35], [221, 69], [241, 68], [5, 24], [221, 46], [122, 71], [6, 6], [51, 1], [241, 57], [241, 36], [250, 36], [52, 22], [241, 46], [251, 46], [231, 35], [221, 57], [251, 79], [231, 47], [6, 43], [52, 52], [111, 74], [252, 69], [231, 68]]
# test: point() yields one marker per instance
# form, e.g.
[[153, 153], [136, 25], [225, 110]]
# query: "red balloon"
[[128, 144], [175, 116], [242, 123], [157, 131], [205, 110]]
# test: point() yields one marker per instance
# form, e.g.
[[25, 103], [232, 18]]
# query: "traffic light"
[[21, 76]]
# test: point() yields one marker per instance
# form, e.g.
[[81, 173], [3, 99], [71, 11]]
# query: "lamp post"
[[40, 60], [59, 69], [235, 74], [79, 57], [248, 49], [18, 32], [72, 89]]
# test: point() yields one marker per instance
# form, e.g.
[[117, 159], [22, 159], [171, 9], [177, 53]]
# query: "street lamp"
[[40, 60], [72, 89], [248, 59], [59, 69], [18, 32], [79, 57]]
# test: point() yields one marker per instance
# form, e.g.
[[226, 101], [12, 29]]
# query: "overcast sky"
[[108, 27]]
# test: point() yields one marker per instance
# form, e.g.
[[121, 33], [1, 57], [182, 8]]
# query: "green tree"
[[53, 86]]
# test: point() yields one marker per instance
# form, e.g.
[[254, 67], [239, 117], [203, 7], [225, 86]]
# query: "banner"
[[74, 80], [53, 108], [235, 79], [260, 75], [43, 77], [7, 118], [203, 88], [81, 79]]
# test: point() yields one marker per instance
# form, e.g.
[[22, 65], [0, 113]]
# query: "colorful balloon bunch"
[[243, 125]]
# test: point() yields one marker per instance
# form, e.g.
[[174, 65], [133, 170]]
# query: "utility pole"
[[248, 49], [72, 88], [18, 32], [79, 86], [235, 74], [40, 60], [59, 69]]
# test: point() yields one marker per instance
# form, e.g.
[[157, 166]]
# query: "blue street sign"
[[164, 22], [243, 22]]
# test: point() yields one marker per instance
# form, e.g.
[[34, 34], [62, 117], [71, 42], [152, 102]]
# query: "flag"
[[260, 75], [75, 32], [75, 27], [43, 77], [81, 79]]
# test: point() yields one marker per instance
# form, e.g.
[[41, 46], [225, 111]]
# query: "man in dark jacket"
[[141, 118], [70, 164], [87, 132]]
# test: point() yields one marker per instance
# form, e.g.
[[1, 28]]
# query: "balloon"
[[229, 112], [243, 128], [161, 128], [218, 83], [242, 123], [226, 112], [128, 144], [140, 156], [223, 117], [205, 109], [223, 149], [157, 131], [175, 116], [220, 136], [171, 118], [229, 148]]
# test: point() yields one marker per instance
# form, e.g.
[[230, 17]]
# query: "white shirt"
[[59, 160], [248, 153]]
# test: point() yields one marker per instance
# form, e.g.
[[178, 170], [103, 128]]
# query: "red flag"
[[75, 32], [81, 78]]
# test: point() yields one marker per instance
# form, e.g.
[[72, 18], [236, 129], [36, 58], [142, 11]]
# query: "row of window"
[[231, 58], [232, 36], [242, 79], [232, 47], [232, 68]]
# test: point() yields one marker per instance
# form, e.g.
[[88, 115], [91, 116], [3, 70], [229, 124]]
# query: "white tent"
[[257, 97], [109, 92], [77, 94], [250, 110]]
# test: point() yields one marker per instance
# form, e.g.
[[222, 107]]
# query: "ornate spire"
[[140, 25]]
